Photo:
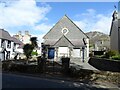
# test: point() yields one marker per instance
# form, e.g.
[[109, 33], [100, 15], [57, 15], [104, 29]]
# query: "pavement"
[[83, 65], [80, 65]]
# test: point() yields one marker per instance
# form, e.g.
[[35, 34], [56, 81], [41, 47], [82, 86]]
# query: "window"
[[65, 31], [3, 43], [14, 47], [9, 44], [101, 42]]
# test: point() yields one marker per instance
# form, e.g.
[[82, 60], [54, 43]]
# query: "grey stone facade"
[[68, 40], [115, 33]]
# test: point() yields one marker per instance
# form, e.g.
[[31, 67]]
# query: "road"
[[21, 81]]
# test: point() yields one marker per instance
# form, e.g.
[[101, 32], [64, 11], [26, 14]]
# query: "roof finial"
[[115, 6]]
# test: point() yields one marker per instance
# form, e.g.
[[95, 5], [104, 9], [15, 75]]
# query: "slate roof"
[[63, 41], [50, 41], [5, 35], [74, 37], [77, 42], [115, 23], [74, 31], [16, 40]]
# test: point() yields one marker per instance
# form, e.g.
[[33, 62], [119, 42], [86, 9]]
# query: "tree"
[[28, 48], [34, 42], [111, 53]]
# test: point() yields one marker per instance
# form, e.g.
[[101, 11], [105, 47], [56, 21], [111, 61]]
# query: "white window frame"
[[65, 29]]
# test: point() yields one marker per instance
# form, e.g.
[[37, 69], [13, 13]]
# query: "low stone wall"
[[105, 64]]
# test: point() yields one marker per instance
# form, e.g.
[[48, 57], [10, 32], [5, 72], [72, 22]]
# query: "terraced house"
[[8, 45], [66, 39]]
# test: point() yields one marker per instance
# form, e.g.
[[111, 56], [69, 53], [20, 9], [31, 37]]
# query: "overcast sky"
[[39, 17]]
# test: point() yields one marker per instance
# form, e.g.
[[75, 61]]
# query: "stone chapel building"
[[66, 39]]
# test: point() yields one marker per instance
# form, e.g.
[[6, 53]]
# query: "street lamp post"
[[83, 48], [83, 52]]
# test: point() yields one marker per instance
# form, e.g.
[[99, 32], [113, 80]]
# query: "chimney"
[[26, 32], [19, 32]]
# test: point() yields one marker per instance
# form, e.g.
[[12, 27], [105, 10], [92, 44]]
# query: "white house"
[[8, 45], [101, 45], [115, 32], [68, 40], [5, 45], [23, 38], [17, 47]]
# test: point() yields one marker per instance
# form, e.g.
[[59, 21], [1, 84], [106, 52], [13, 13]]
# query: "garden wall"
[[105, 64]]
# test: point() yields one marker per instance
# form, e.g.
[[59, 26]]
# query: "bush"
[[27, 49], [116, 57], [111, 53], [34, 53], [91, 54]]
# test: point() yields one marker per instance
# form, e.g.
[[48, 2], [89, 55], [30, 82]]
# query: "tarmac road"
[[22, 81]]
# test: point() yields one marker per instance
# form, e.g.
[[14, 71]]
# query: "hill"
[[95, 36]]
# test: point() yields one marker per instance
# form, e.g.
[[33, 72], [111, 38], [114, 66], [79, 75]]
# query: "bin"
[[41, 63], [65, 64]]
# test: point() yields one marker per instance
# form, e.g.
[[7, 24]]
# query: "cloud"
[[43, 28], [22, 13], [81, 24], [103, 24], [94, 21], [90, 12]]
